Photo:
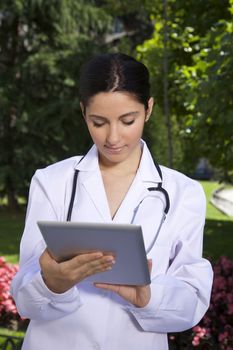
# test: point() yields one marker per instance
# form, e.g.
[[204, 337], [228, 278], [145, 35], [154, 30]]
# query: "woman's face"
[[115, 121]]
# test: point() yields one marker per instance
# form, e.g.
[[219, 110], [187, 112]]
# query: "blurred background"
[[187, 46]]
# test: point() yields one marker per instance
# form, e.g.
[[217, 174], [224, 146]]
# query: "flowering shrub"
[[8, 311], [215, 330]]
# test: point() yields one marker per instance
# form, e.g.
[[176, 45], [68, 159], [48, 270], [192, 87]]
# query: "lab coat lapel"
[[126, 211], [90, 177], [147, 176], [95, 189]]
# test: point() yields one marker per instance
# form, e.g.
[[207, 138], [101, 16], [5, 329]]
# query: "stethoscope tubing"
[[163, 218], [150, 189]]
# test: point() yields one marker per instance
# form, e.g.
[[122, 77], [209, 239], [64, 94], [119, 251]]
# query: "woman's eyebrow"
[[97, 116], [134, 113]]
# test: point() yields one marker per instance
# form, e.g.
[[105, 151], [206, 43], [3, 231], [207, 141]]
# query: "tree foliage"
[[200, 81], [208, 90], [42, 46]]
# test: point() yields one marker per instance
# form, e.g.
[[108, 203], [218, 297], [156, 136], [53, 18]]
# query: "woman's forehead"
[[116, 98]]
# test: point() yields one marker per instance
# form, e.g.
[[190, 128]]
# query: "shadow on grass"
[[218, 239], [11, 229]]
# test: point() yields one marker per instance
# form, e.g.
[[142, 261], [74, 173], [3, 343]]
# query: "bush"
[[215, 330], [9, 316]]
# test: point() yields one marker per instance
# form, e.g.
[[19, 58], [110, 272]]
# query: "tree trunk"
[[11, 197], [165, 89], [10, 115]]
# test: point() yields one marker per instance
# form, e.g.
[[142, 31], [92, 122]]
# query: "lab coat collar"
[[89, 162], [147, 169], [90, 177]]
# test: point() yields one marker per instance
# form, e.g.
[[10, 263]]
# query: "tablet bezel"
[[125, 241]]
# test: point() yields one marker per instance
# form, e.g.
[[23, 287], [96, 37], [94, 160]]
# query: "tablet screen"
[[125, 241]]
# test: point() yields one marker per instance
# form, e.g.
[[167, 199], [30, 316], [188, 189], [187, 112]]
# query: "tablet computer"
[[65, 240]]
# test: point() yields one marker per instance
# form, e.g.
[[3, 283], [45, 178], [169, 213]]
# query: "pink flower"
[[7, 305], [2, 261], [196, 341], [216, 326], [172, 337], [222, 336]]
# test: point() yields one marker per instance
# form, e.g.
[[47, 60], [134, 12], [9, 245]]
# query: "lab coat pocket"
[[160, 255]]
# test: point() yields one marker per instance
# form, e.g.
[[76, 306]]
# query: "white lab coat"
[[88, 318]]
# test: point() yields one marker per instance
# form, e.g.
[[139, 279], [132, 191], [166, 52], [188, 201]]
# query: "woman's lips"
[[114, 149]]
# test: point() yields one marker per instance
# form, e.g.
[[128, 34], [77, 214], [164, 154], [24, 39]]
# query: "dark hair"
[[114, 72]]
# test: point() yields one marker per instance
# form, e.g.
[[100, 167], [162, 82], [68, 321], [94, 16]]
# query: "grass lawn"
[[11, 227], [218, 238], [4, 332]]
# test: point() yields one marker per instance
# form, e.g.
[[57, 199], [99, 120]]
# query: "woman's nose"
[[113, 135]]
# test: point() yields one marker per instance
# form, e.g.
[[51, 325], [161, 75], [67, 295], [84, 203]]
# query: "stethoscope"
[[158, 188]]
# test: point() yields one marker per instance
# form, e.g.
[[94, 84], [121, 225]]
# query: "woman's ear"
[[150, 108], [82, 109]]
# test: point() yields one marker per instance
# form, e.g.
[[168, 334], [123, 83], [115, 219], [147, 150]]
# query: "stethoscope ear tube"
[[161, 189], [74, 185], [68, 218], [158, 188]]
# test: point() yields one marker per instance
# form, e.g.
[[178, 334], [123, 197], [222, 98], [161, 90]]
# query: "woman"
[[65, 310]]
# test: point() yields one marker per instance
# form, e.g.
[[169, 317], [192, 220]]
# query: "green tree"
[[199, 51], [207, 85], [42, 46]]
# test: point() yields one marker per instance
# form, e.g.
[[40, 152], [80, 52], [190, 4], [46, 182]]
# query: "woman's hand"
[[59, 277], [137, 295]]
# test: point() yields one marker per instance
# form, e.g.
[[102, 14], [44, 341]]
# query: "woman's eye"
[[129, 122], [98, 125]]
